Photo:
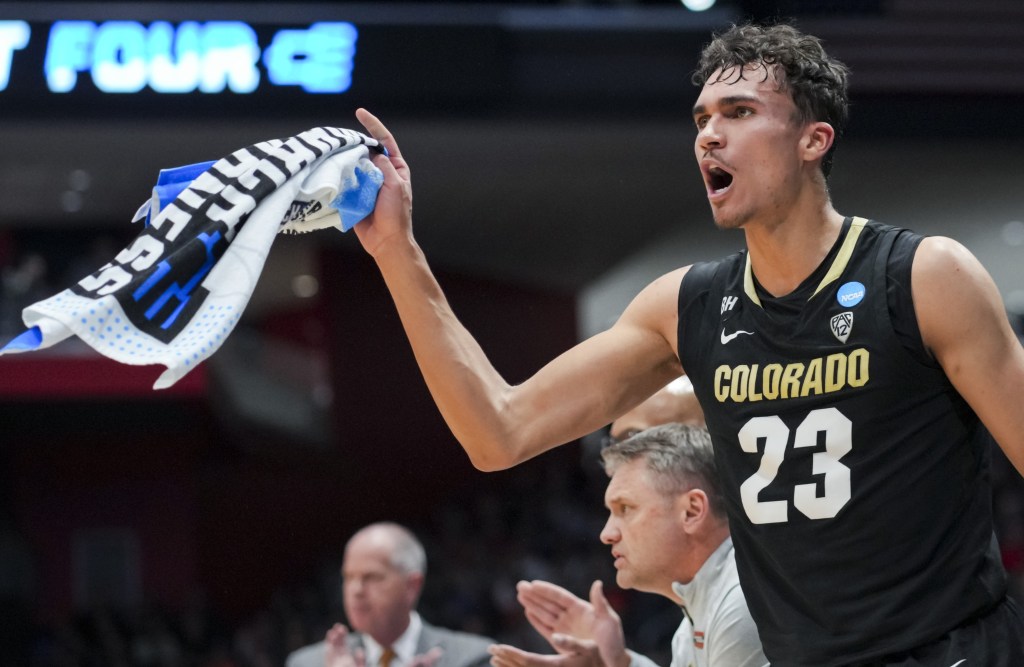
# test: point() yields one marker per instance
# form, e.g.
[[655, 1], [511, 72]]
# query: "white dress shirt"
[[404, 647]]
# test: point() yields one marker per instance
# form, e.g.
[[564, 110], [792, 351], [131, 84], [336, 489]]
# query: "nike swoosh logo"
[[726, 339], [959, 663]]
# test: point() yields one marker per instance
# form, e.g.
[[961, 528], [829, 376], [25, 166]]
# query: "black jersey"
[[856, 477]]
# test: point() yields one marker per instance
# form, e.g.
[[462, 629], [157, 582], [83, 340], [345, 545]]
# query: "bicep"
[[602, 377], [964, 324]]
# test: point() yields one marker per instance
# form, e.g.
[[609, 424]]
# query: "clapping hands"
[[340, 654], [584, 634]]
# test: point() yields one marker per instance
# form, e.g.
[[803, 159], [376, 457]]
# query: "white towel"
[[177, 290]]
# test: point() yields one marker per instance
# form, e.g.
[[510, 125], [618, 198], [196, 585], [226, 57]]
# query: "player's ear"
[[816, 140], [693, 508], [414, 586]]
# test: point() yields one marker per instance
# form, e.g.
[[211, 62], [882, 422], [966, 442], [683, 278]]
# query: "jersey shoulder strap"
[[702, 282], [699, 279]]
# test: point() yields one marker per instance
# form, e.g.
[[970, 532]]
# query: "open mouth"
[[718, 180]]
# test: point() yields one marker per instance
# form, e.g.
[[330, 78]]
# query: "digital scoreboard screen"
[[211, 57], [114, 60], [123, 66]]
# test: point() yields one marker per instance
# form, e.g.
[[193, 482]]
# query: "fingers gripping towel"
[[177, 290]]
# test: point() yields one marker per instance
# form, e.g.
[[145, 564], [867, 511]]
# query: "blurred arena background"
[[551, 148]]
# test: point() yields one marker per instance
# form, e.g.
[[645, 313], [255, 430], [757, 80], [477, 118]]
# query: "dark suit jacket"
[[460, 649]]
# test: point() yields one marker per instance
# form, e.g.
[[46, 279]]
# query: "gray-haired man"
[[669, 535]]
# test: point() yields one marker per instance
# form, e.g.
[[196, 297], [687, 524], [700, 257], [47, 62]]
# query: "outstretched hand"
[[572, 625], [392, 214]]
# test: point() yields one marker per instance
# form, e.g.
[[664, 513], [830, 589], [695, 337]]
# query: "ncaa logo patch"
[[841, 325], [850, 294]]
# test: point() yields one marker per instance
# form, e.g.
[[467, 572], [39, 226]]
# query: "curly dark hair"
[[816, 81]]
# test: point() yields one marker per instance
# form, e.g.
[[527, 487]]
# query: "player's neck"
[[784, 253]]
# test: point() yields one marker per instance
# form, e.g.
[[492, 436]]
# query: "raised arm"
[[498, 424], [963, 322]]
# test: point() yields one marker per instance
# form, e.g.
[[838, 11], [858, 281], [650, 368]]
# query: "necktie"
[[386, 657]]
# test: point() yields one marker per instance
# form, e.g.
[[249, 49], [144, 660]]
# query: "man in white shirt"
[[669, 535], [382, 576]]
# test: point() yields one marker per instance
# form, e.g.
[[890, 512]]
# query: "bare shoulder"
[[954, 295], [661, 294], [938, 255], [655, 308]]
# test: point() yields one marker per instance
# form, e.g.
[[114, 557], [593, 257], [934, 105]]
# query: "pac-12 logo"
[[841, 325]]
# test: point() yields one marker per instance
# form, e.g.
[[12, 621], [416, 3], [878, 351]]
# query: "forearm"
[[581, 390], [471, 395]]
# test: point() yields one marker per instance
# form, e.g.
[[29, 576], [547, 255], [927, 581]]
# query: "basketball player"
[[849, 372]]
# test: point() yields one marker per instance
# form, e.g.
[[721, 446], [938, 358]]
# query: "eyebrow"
[[731, 100], [617, 499]]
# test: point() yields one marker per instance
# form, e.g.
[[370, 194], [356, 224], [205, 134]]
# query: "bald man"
[[382, 576], [673, 403]]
